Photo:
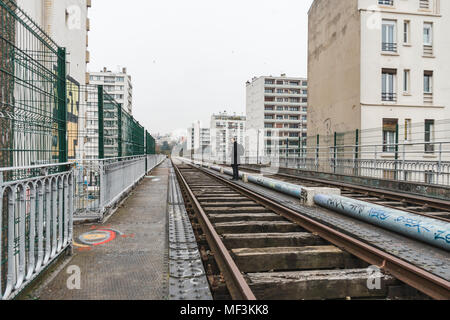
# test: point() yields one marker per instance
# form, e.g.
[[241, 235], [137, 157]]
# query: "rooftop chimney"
[[124, 70]]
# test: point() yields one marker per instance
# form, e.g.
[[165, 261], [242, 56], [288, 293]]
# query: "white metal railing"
[[420, 162], [36, 223], [101, 183]]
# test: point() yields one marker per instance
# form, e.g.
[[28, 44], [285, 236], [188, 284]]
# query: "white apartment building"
[[225, 129], [117, 84], [380, 64], [67, 23], [276, 115], [199, 140]]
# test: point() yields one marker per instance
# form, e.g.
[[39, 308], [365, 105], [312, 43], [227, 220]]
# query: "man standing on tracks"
[[236, 154]]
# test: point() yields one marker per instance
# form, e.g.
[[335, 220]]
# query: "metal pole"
[[101, 136], [335, 151], [396, 152], [287, 152], [356, 152], [257, 148], [317, 152]]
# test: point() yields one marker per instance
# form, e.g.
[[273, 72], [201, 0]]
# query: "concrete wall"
[[333, 67]]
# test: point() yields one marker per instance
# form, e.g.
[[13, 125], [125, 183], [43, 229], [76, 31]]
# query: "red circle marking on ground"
[[111, 238]]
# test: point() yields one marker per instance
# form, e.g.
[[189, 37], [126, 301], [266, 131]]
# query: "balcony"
[[389, 47], [428, 98], [428, 51], [424, 4], [386, 2], [389, 97]]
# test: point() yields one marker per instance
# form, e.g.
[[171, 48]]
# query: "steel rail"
[[234, 279], [386, 194], [422, 280]]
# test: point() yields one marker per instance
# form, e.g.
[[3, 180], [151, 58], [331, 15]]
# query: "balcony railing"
[[386, 2], [427, 50], [389, 96], [428, 98], [389, 47]]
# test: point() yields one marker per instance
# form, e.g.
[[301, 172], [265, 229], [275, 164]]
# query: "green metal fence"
[[150, 144], [103, 130], [32, 92]]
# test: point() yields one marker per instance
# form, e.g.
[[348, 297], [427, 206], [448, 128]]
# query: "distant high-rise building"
[[117, 84], [198, 138], [225, 129], [276, 113]]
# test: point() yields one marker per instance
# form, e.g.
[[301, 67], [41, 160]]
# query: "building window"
[[428, 82], [429, 136], [406, 32], [388, 79], [389, 39], [428, 39], [389, 134], [406, 81], [408, 135]]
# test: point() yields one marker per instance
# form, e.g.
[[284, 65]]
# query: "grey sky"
[[191, 58]]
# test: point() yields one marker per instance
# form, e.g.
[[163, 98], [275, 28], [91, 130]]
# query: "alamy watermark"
[[374, 278], [74, 280]]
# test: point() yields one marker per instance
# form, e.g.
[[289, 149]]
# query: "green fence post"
[[62, 106], [101, 124], [119, 134]]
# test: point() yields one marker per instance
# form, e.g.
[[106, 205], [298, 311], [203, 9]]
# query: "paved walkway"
[[126, 258]]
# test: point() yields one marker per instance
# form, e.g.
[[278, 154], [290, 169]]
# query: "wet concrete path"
[[125, 258]]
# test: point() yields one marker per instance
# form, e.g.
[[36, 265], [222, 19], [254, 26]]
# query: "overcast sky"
[[191, 58]]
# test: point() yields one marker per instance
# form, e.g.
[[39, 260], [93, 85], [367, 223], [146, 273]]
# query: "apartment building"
[[117, 84], [67, 23], [198, 138], [276, 115], [225, 129], [379, 64]]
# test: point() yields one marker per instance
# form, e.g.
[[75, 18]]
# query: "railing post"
[[396, 152], [101, 169], [287, 152], [335, 151], [101, 136], [355, 166], [317, 152], [62, 107], [439, 165]]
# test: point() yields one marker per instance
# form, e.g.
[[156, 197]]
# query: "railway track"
[[428, 207], [263, 250]]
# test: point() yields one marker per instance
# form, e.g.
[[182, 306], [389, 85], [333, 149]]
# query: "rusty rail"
[[422, 280], [235, 282]]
